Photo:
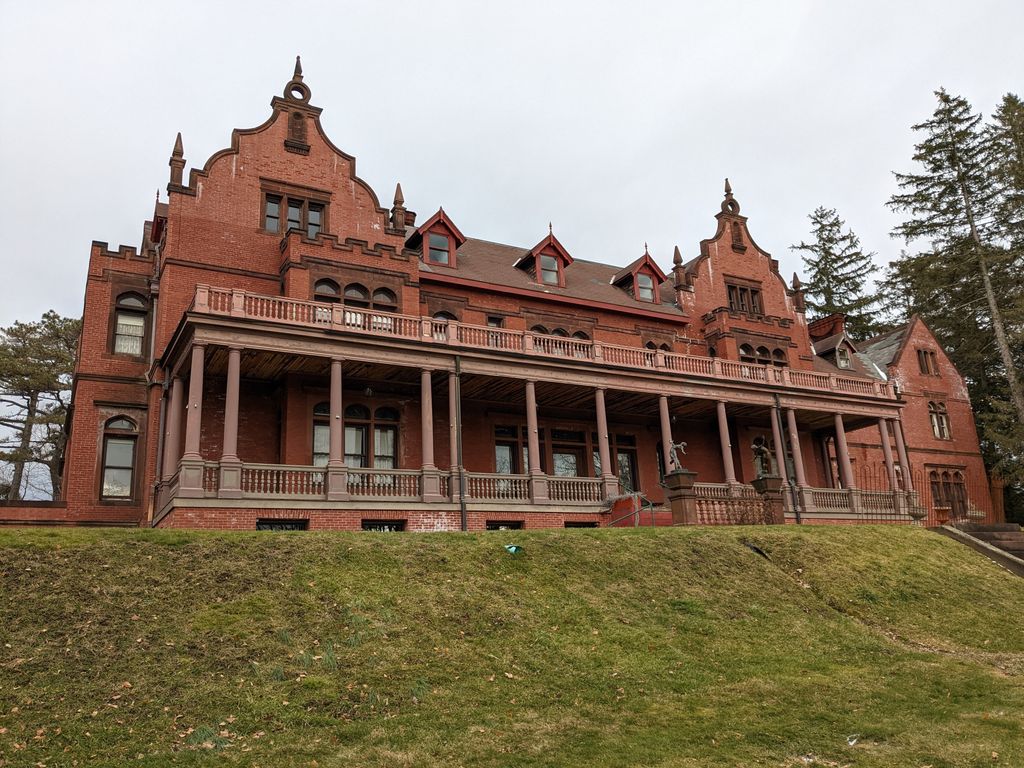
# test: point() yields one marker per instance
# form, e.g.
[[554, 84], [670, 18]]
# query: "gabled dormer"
[[642, 279], [546, 262], [439, 238]]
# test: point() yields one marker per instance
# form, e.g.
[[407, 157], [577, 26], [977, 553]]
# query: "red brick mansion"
[[285, 352]]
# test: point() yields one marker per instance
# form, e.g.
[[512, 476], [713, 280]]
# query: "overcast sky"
[[615, 121]]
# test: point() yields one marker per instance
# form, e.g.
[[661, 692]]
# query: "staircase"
[[1001, 542]]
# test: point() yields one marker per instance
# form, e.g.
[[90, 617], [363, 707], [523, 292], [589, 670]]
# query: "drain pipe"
[[463, 518], [789, 475]]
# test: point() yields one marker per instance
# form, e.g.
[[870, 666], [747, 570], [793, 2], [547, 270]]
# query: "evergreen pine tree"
[[36, 363], [1005, 136], [837, 272], [967, 283]]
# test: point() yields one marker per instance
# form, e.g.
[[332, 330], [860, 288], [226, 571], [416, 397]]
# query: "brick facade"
[[241, 350]]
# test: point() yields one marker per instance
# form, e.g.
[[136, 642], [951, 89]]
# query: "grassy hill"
[[672, 647]]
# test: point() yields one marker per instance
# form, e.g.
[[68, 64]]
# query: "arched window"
[[444, 316], [747, 354], [779, 358], [382, 427], [664, 347], [119, 438], [326, 290], [539, 329], [764, 357], [356, 295], [130, 324], [939, 418], [384, 300], [581, 335], [650, 345], [560, 332], [712, 352]]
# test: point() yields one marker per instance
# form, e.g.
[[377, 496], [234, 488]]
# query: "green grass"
[[673, 647]]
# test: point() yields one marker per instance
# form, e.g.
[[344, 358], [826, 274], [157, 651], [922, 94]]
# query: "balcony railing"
[[491, 487], [278, 309]]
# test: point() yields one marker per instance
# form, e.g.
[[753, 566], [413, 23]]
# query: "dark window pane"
[[439, 248], [294, 214], [121, 424], [384, 526], [357, 412], [645, 287], [504, 525], [549, 269], [272, 214], [314, 220]]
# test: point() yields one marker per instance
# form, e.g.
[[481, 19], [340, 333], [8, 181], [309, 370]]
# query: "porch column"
[[431, 478], [843, 454], [230, 467], [901, 453], [794, 445], [172, 436], [780, 448], [666, 434], [890, 470], [337, 473], [453, 437], [193, 422], [538, 482], [610, 480], [723, 436], [190, 481]]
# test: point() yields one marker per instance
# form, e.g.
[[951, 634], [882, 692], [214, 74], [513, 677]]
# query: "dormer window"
[[549, 269], [842, 357], [644, 287], [439, 250]]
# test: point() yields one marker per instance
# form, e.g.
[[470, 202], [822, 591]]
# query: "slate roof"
[[882, 350], [493, 263], [828, 344]]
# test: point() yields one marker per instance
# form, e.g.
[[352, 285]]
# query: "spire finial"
[[730, 204], [298, 68], [728, 187], [178, 150], [677, 257], [796, 282], [551, 229], [399, 197], [646, 253]]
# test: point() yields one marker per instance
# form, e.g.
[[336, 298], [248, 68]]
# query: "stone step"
[[1013, 547], [987, 527], [994, 536]]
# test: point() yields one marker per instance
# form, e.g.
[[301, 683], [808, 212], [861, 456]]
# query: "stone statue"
[[678, 451], [762, 458]]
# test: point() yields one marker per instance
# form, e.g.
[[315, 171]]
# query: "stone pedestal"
[[770, 487], [538, 489], [190, 479], [230, 486], [337, 483], [682, 498], [432, 486]]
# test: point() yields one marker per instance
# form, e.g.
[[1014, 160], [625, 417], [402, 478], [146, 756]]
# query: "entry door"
[[626, 462]]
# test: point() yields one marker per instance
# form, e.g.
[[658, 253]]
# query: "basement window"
[[384, 526], [504, 525], [264, 524]]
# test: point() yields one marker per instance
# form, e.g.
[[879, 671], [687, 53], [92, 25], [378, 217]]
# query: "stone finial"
[[398, 210], [797, 285], [729, 204], [646, 252], [677, 257], [177, 162], [296, 90], [298, 68], [551, 229]]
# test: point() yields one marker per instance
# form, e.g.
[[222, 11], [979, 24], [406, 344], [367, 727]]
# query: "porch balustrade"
[[575, 490], [278, 309], [385, 483], [492, 487], [835, 500]]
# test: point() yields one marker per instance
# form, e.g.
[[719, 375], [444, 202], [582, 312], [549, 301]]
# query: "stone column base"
[[190, 479], [230, 486], [538, 489], [431, 485], [337, 483], [682, 498]]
